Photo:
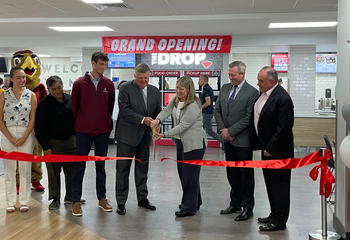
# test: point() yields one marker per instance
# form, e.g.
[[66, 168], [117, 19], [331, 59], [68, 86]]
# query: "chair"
[[331, 164]]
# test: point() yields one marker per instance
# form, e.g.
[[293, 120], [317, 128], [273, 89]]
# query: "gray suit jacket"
[[189, 125], [132, 110], [237, 115]]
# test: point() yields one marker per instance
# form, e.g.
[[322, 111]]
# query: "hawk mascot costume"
[[31, 65]]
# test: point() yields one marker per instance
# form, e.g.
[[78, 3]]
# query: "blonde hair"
[[187, 82]]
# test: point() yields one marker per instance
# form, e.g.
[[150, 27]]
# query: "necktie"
[[232, 97], [144, 97]]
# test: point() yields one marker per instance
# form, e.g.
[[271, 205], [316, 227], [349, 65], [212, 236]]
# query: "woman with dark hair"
[[17, 116], [190, 138]]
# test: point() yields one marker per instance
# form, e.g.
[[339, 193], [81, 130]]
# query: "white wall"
[[323, 81], [63, 67]]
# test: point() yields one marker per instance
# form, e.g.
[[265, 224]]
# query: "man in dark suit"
[[233, 112], [139, 103], [273, 130]]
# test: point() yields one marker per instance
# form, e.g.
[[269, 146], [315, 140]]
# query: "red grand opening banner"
[[167, 44]]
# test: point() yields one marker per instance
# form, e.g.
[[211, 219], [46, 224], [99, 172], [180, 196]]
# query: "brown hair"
[[99, 56], [13, 70], [187, 82]]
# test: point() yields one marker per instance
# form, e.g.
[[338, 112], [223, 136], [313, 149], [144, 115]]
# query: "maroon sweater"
[[92, 108]]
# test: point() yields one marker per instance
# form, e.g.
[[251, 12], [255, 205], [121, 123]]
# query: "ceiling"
[[24, 23]]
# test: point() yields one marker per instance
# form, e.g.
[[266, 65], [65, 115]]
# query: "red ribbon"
[[327, 178], [326, 181], [57, 157], [273, 164]]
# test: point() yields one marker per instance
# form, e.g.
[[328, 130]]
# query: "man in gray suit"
[[139, 103], [233, 112]]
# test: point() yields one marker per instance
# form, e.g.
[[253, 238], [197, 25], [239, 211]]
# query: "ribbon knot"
[[327, 178]]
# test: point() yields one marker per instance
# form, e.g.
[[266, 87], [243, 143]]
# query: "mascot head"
[[31, 65]]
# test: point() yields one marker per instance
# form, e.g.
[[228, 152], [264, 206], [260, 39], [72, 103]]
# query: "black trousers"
[[84, 143], [141, 170], [241, 179], [54, 169], [189, 178], [277, 183]]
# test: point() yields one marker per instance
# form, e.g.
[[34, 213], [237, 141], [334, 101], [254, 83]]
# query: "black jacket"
[[275, 126]]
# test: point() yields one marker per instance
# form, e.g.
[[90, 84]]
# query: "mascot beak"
[[28, 65]]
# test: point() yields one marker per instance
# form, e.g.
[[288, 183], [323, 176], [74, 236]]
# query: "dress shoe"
[[244, 215], [76, 209], [37, 186], [104, 205], [264, 220], [146, 204], [198, 207], [82, 201], [230, 210], [121, 209], [270, 227], [182, 213], [54, 205]]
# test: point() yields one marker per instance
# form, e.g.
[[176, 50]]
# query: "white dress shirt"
[[259, 104]]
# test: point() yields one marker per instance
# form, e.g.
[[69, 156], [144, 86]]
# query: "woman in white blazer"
[[190, 138]]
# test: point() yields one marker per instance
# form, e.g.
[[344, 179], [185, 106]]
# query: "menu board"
[[280, 61], [326, 63], [121, 60]]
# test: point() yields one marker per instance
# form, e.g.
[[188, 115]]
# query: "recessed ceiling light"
[[82, 29], [102, 1], [302, 24]]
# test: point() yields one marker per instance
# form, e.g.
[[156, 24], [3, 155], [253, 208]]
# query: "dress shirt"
[[259, 104], [93, 80]]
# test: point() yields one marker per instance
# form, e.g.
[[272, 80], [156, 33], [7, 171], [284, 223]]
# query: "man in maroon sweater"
[[92, 106]]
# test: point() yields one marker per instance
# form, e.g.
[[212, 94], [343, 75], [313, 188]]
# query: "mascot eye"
[[37, 60], [16, 61]]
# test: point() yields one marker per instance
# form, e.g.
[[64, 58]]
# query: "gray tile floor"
[[165, 193]]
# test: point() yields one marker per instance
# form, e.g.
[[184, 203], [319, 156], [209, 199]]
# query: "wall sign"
[[69, 71], [165, 73], [167, 44], [198, 73], [183, 61]]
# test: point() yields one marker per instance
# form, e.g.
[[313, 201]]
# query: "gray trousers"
[[54, 169], [207, 118], [123, 170]]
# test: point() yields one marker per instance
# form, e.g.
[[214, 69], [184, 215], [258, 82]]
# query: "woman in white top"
[[190, 139], [17, 115]]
